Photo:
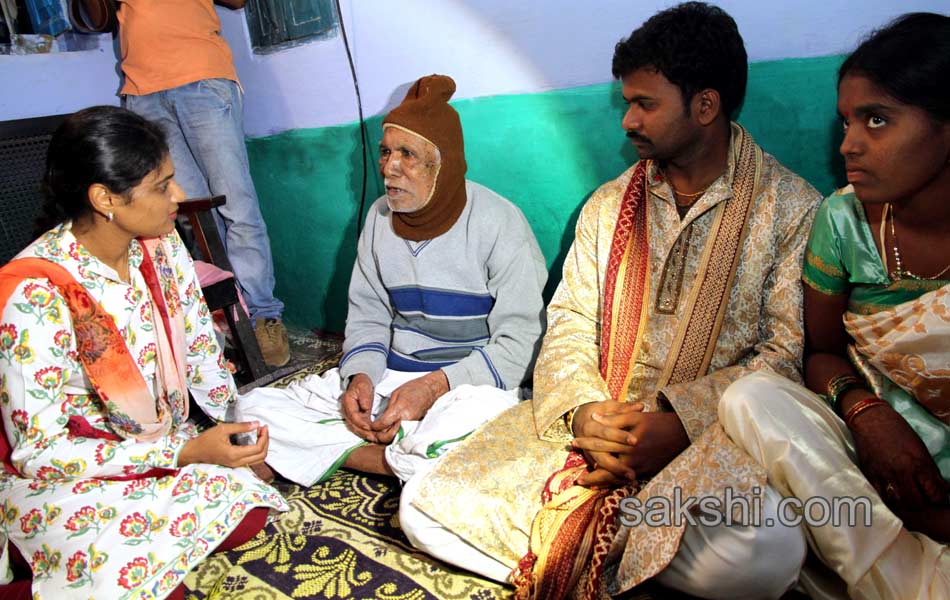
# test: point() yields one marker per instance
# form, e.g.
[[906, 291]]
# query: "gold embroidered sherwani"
[[488, 489]]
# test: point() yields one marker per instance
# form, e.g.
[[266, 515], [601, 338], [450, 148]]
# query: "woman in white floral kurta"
[[84, 532]]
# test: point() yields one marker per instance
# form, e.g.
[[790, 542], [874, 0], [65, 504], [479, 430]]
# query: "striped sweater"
[[467, 302]]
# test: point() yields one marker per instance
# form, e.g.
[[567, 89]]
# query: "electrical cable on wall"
[[359, 106]]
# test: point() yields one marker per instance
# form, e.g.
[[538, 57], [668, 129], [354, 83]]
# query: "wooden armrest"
[[198, 212]]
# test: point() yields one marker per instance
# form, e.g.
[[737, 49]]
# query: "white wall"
[[489, 46], [52, 84], [502, 47]]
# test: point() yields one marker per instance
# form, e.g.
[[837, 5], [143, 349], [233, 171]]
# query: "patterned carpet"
[[341, 539]]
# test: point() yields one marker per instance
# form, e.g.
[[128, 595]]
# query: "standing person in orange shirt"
[[180, 74]]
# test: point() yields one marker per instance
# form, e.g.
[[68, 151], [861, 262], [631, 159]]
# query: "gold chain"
[[899, 270], [690, 197], [693, 195]]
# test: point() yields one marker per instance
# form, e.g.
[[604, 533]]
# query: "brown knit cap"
[[425, 111]]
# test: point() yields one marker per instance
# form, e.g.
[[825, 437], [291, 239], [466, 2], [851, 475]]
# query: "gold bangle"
[[838, 387], [569, 420]]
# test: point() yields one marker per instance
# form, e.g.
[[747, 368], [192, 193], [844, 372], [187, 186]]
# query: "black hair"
[[695, 46], [102, 144], [909, 59]]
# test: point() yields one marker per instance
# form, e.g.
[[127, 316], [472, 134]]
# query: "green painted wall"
[[546, 152]]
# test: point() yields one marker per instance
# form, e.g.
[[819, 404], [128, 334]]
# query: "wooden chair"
[[223, 294]]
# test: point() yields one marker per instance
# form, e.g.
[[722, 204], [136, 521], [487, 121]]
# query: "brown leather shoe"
[[272, 338]]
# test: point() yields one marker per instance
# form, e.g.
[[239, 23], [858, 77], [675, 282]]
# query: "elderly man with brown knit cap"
[[445, 314]]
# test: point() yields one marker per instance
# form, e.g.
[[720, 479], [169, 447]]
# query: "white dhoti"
[[808, 453], [435, 540], [309, 439]]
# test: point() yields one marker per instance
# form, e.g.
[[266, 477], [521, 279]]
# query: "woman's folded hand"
[[213, 446]]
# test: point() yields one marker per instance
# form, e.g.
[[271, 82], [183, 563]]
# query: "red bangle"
[[860, 407]]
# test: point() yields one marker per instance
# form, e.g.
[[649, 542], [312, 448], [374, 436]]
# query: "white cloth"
[[450, 420], [808, 453], [309, 439]]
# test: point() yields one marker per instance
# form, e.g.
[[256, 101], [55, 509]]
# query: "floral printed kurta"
[[84, 535], [503, 466]]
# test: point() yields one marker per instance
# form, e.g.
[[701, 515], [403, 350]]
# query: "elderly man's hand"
[[357, 403], [409, 402]]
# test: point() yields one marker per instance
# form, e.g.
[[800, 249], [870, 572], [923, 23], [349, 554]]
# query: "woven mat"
[[340, 539]]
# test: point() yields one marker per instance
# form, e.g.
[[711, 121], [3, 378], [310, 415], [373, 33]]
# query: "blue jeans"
[[204, 124]]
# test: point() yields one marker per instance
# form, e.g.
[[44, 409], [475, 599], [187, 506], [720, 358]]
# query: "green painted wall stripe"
[[545, 152]]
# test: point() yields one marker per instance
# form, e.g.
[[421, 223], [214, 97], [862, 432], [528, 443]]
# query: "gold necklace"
[[899, 271], [693, 195], [690, 198]]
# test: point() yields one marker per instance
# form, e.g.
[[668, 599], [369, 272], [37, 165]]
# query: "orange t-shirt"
[[169, 43]]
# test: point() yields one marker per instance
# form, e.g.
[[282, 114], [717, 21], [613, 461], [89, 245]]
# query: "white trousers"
[[808, 453], [738, 562], [309, 440]]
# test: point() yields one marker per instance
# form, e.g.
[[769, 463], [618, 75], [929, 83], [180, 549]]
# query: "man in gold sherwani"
[[684, 275]]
